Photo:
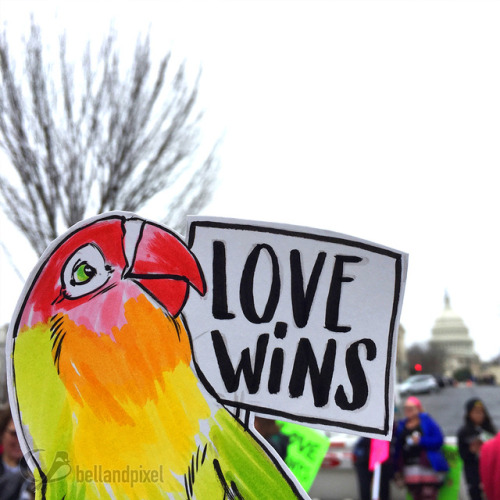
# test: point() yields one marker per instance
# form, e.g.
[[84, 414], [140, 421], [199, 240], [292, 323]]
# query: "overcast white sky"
[[375, 119]]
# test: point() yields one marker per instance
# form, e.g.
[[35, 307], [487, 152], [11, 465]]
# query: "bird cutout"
[[104, 391]]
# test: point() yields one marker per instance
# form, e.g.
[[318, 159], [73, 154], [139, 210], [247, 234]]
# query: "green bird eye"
[[83, 273]]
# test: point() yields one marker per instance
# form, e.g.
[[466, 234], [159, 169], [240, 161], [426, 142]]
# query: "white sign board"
[[297, 323]]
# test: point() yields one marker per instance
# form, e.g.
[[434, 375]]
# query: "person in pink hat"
[[419, 462]]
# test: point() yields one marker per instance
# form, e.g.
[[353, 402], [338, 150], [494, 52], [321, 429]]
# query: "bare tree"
[[430, 356], [97, 137]]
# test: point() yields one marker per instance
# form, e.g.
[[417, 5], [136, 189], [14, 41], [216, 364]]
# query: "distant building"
[[452, 336], [3, 372], [402, 370]]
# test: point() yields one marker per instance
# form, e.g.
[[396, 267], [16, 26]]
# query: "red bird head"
[[110, 260], [99, 328]]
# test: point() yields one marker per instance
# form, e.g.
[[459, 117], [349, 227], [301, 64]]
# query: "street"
[[447, 406]]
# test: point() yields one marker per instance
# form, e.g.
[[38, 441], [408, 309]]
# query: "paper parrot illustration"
[[102, 382]]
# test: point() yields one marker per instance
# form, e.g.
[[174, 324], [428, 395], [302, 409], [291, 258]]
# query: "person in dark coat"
[[364, 475], [477, 429], [270, 430], [14, 474]]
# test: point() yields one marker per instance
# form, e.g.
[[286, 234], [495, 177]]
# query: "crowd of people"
[[416, 460]]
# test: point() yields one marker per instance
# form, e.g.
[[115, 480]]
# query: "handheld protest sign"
[[306, 451], [297, 323], [102, 384]]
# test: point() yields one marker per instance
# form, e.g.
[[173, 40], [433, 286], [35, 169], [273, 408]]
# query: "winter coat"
[[430, 441]]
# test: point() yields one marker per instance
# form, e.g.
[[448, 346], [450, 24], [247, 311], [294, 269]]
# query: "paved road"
[[447, 407]]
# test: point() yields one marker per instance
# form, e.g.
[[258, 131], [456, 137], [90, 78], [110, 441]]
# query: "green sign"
[[305, 453], [451, 488]]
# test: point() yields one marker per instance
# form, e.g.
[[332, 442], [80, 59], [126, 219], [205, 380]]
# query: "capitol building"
[[450, 335]]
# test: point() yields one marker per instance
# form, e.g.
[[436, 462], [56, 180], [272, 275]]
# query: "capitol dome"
[[449, 324], [451, 335]]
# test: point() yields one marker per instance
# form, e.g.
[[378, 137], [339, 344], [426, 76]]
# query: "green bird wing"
[[234, 465]]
